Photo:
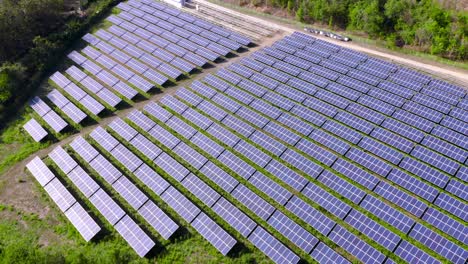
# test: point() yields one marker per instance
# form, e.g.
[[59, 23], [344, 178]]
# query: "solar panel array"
[[57, 191], [147, 45], [48, 115], [300, 141]]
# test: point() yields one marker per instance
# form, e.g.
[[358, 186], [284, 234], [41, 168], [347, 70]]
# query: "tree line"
[[421, 24]]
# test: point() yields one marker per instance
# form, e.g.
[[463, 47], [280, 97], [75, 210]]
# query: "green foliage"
[[12, 77], [367, 17]]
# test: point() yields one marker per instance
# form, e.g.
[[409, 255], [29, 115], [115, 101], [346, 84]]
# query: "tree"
[[12, 77], [367, 16]]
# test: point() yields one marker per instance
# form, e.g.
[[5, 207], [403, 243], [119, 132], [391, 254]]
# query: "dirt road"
[[446, 73]]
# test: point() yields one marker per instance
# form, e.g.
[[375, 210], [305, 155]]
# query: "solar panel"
[[458, 188], [381, 150], [134, 235], [294, 232], [400, 198], [158, 219], [145, 146], [320, 154], [130, 192], [368, 161], [373, 230], [219, 176], [181, 127], [39, 106], [439, 244], [171, 166], [252, 201], [212, 232], [310, 215], [326, 200], [35, 130], [164, 136], [355, 173], [177, 201], [190, 155], [324, 254], [252, 153], [197, 118], [40, 171], [141, 120], [123, 129], [236, 164], [105, 169], [446, 224], [223, 135], [411, 253], [356, 246], [413, 185], [208, 145], [151, 179], [435, 159], [63, 160], [424, 171], [107, 206], [342, 131], [82, 221], [157, 111], [341, 186], [445, 148], [271, 247], [83, 181], [330, 141], [302, 163], [59, 194], [234, 217]]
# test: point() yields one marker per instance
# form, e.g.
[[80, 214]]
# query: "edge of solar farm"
[[124, 62]]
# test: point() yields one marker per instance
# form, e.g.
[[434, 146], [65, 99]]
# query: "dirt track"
[[447, 73]]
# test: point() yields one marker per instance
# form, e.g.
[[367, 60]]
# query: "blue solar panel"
[[190, 155], [381, 150], [424, 171], [435, 159], [326, 200], [220, 177], [183, 206], [355, 173], [341, 186], [164, 136], [413, 185], [295, 124], [392, 139], [236, 164], [452, 205], [302, 163], [273, 248], [234, 217], [400, 198], [287, 175], [323, 254], [458, 188], [294, 232], [446, 224], [310, 215], [322, 155], [268, 143], [321, 107], [223, 135], [330, 141], [238, 125], [208, 145], [368, 161], [451, 136], [201, 190], [439, 244], [342, 131], [356, 246]]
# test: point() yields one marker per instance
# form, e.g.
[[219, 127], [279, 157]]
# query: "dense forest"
[[423, 25], [34, 36]]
